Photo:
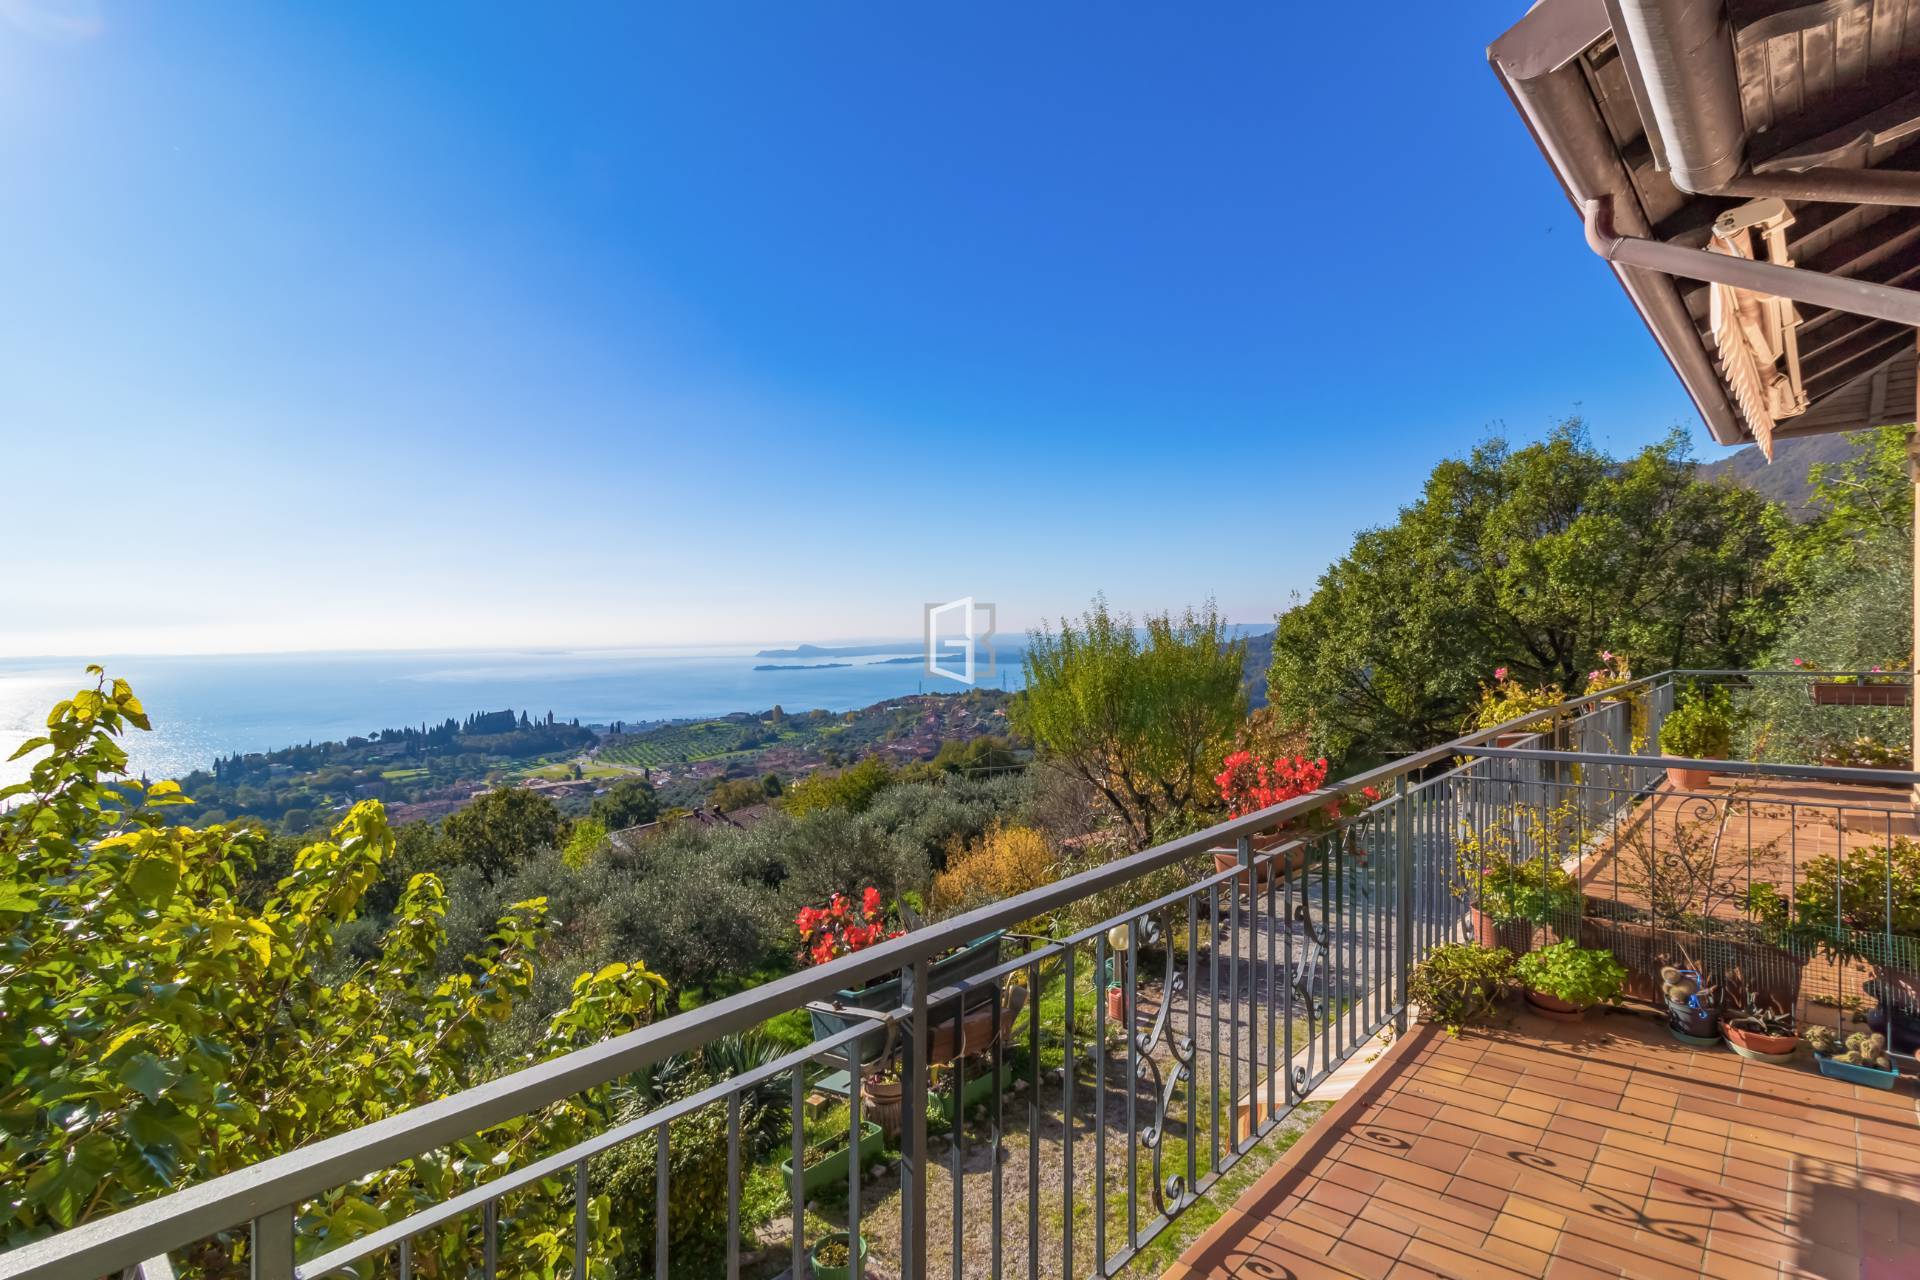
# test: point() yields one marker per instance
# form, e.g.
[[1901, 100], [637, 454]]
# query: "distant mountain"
[[1784, 480]]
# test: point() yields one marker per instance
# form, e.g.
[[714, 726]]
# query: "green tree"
[[629, 802], [1142, 715], [157, 1031], [500, 830], [852, 788], [1535, 559], [1857, 507]]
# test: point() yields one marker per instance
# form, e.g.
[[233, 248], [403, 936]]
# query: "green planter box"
[[979, 1087], [832, 1169]]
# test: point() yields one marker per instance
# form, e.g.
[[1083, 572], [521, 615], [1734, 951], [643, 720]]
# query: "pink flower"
[[1606, 655], [1499, 673], [1796, 662]]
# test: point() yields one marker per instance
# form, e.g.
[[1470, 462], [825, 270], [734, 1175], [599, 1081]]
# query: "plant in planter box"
[[1508, 699], [1700, 727], [1762, 1032], [1459, 984], [1863, 906], [1566, 979]]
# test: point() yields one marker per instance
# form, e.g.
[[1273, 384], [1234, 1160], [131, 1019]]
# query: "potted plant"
[[1693, 1011], [1860, 1058], [1507, 860], [1762, 1033], [1566, 979], [1508, 699], [832, 1259], [1613, 672], [1699, 728], [841, 928], [1249, 784], [1459, 984], [881, 1092], [1862, 906]]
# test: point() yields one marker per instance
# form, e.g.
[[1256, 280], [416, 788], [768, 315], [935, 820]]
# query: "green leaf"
[[153, 880], [146, 1075]]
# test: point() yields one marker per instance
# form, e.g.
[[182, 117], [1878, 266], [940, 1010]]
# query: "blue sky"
[[385, 326]]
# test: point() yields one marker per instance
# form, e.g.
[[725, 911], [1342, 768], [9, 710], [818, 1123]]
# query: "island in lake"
[[807, 666]]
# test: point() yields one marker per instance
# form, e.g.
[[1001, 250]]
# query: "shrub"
[[1459, 984], [1573, 973], [1007, 860], [1700, 727]]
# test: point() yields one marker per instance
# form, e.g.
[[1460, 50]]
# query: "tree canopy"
[[500, 830], [1141, 714], [158, 1031], [1536, 559]]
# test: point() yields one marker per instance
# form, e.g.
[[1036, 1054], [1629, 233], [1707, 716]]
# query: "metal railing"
[[1200, 992]]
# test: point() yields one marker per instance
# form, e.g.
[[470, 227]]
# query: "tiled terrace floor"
[[1595, 1149]]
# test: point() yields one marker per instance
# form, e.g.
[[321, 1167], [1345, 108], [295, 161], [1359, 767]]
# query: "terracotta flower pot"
[[1515, 935], [1689, 779], [1762, 1047], [882, 1100], [1291, 865], [1832, 693], [1555, 1008], [1116, 1003]]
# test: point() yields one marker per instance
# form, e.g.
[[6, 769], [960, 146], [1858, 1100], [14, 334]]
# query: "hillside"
[[1784, 480]]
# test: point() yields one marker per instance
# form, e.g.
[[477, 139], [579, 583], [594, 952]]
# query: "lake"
[[204, 706]]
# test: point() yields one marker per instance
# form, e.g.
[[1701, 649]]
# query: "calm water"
[[207, 706]]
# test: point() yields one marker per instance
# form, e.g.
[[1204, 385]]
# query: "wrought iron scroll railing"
[[1061, 1101]]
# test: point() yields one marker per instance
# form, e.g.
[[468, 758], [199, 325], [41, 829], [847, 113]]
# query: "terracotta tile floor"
[[1597, 1149]]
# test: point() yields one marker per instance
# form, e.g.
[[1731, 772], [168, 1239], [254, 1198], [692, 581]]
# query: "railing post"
[[273, 1245], [913, 1126], [1403, 902]]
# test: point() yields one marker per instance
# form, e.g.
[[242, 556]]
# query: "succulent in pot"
[[1762, 1032], [1860, 1058], [1693, 1010], [1566, 979]]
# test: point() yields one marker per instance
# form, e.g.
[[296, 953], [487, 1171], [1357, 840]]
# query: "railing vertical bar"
[[914, 1162], [733, 1186], [406, 1259], [1102, 964], [996, 1121], [1132, 961], [1287, 984], [1068, 1070], [1033, 1121], [796, 1187], [1213, 1021], [1253, 987], [956, 1137], [1274, 1064], [1403, 901], [581, 1209], [856, 1170], [662, 1145], [1233, 1005], [490, 1239], [272, 1245], [1193, 1040]]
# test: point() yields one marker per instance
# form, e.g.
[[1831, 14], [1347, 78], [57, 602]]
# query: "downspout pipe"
[[1815, 288]]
